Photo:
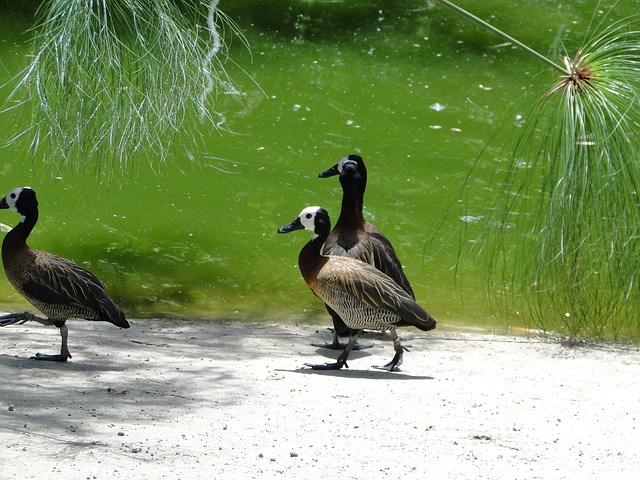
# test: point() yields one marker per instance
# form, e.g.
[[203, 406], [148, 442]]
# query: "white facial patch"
[[308, 218], [343, 162], [12, 198]]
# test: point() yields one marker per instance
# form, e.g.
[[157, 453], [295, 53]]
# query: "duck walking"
[[54, 285], [362, 295], [354, 237]]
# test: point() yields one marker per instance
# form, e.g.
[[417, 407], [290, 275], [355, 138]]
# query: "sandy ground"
[[194, 399]]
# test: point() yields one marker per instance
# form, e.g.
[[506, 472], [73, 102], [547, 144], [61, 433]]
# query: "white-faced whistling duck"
[[56, 286], [354, 237], [362, 295]]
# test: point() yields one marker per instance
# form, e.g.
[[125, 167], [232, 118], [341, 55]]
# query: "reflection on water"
[[418, 92]]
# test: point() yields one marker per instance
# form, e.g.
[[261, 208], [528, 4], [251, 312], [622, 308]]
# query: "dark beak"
[[293, 226], [3, 203], [330, 173]]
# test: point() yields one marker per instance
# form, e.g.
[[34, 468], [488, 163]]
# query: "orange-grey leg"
[[23, 317], [342, 359]]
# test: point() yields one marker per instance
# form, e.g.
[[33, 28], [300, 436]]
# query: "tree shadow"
[[147, 373], [158, 372]]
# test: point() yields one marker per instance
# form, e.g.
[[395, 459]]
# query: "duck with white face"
[[57, 287], [362, 295]]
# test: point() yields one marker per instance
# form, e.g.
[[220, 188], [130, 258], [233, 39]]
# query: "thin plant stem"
[[495, 30]]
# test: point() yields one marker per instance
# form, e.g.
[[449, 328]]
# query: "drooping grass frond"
[[571, 192], [113, 81]]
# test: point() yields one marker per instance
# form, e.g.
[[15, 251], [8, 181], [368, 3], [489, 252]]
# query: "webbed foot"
[[392, 366], [340, 362], [21, 318], [396, 361], [50, 358], [337, 345], [13, 319], [327, 366]]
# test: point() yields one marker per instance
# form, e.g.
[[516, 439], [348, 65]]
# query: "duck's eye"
[[13, 195], [308, 215]]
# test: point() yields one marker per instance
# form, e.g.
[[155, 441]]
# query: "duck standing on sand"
[[54, 285], [362, 295]]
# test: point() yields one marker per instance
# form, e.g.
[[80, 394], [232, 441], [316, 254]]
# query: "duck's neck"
[[311, 259], [351, 211], [17, 237]]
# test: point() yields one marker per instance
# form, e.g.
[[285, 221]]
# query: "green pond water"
[[416, 90]]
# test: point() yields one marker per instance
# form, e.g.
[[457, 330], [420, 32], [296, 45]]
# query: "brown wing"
[[373, 287], [386, 260], [60, 282], [354, 243]]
